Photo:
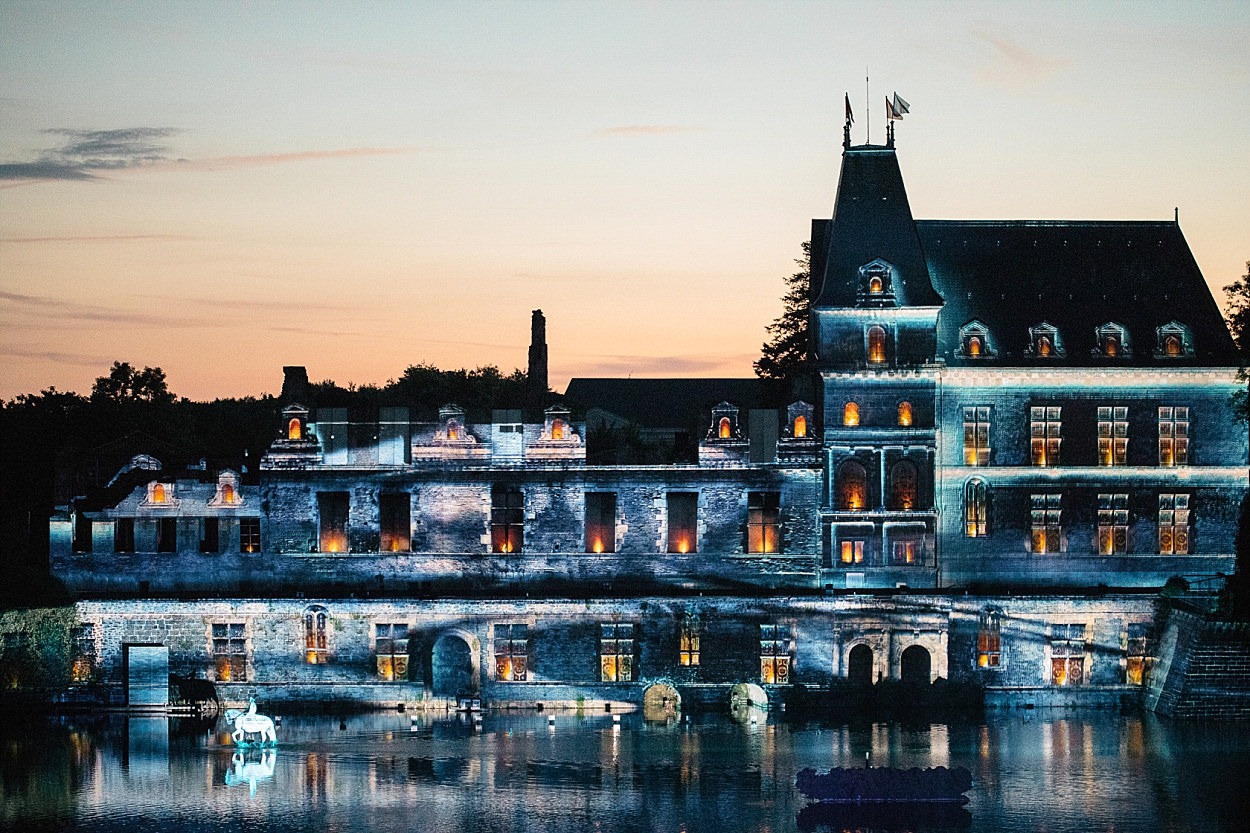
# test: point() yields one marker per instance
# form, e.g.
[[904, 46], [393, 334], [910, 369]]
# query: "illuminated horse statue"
[[250, 768], [250, 723]]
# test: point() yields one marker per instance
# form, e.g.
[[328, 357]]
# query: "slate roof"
[[676, 404], [1076, 276]]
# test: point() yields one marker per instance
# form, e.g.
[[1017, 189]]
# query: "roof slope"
[[665, 403]]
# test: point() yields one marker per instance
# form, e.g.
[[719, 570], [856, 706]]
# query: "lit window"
[[1138, 650], [315, 645], [904, 552], [83, 641], [1044, 343], [1046, 435], [1172, 345], [852, 483], [227, 493], [974, 342], [976, 508], [1173, 524], [512, 653], [850, 414], [1173, 436], [683, 516], [1046, 522], [294, 430], [616, 653], [600, 522], [158, 493], [1044, 347], [395, 511], [977, 435], [557, 429], [390, 648], [1112, 524], [333, 510], [507, 518], [689, 636], [875, 285], [229, 650], [974, 347], [1067, 654], [904, 414], [763, 522], [876, 345], [800, 427], [1112, 435], [851, 552], [249, 535], [453, 430], [775, 654], [1112, 340], [724, 430], [989, 640], [903, 477], [1174, 341]]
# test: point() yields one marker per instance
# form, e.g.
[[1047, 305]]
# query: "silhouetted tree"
[[785, 354], [125, 384]]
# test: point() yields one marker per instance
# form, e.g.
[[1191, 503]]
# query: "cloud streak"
[[82, 154], [264, 159], [1015, 66]]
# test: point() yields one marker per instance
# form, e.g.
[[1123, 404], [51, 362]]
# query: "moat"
[[1033, 770]]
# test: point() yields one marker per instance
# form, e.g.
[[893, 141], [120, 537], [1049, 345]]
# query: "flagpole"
[[867, 110]]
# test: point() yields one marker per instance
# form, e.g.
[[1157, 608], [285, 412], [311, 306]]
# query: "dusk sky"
[[221, 189]]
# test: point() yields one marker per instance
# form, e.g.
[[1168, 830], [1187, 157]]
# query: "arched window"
[[453, 430], [852, 486], [293, 429], [557, 429], [850, 414], [158, 493], [976, 508], [1110, 345], [1172, 345], [315, 644], [903, 479], [1044, 347], [876, 344], [800, 427], [723, 430], [875, 285], [904, 414], [974, 347], [227, 493]]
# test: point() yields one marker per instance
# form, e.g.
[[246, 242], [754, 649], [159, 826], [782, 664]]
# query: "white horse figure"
[[249, 722], [250, 768]]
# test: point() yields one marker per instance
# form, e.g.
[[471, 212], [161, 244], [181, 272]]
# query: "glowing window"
[[557, 429], [723, 431], [1044, 347], [851, 552], [1111, 345], [876, 345], [1046, 519], [453, 430], [229, 651], [903, 477], [249, 535], [989, 640], [800, 427], [763, 522], [904, 552], [293, 429], [507, 518], [683, 517], [850, 414], [1172, 345], [977, 435], [904, 414], [775, 645], [1112, 524], [875, 285], [1112, 435], [1174, 436], [395, 515], [974, 347], [1138, 648], [600, 522], [1067, 654], [158, 493], [1173, 524], [690, 631], [1045, 435], [616, 653], [390, 650], [83, 641], [852, 483], [976, 508], [227, 493], [333, 510], [512, 653], [315, 643]]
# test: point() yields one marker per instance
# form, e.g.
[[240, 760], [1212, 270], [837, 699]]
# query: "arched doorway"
[[454, 666], [660, 703], [859, 665], [914, 665]]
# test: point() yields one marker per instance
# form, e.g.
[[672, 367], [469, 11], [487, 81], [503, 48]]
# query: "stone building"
[[1022, 431]]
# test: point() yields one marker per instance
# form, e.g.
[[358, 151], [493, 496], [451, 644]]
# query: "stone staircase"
[[1202, 671]]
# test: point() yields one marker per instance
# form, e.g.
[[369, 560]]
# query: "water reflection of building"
[[1040, 407]]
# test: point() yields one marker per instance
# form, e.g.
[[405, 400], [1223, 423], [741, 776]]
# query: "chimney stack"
[[536, 373]]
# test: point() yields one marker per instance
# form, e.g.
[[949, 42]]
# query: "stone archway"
[[915, 665], [859, 665], [454, 665], [660, 703]]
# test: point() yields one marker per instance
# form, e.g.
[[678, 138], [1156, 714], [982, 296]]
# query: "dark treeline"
[[52, 442]]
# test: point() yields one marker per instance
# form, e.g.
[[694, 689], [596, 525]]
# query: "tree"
[[1237, 294], [785, 354], [125, 384]]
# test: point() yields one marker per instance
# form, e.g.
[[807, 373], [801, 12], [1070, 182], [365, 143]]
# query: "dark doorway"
[[859, 665], [914, 666]]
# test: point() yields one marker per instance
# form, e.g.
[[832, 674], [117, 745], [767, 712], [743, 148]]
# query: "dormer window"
[[850, 414], [294, 425], [724, 422], [452, 425], [1112, 340], [1174, 341], [227, 493], [158, 492], [725, 429], [799, 416], [974, 342], [800, 426], [557, 429], [876, 344], [294, 430], [876, 285], [1044, 343], [453, 430]]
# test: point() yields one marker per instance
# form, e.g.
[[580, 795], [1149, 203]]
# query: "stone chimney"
[[294, 386], [536, 373]]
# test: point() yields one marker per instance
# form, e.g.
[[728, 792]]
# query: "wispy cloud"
[[1014, 65], [56, 310], [263, 159], [78, 359], [82, 154], [645, 130]]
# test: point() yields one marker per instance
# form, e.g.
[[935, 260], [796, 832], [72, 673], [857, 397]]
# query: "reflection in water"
[[385, 773]]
